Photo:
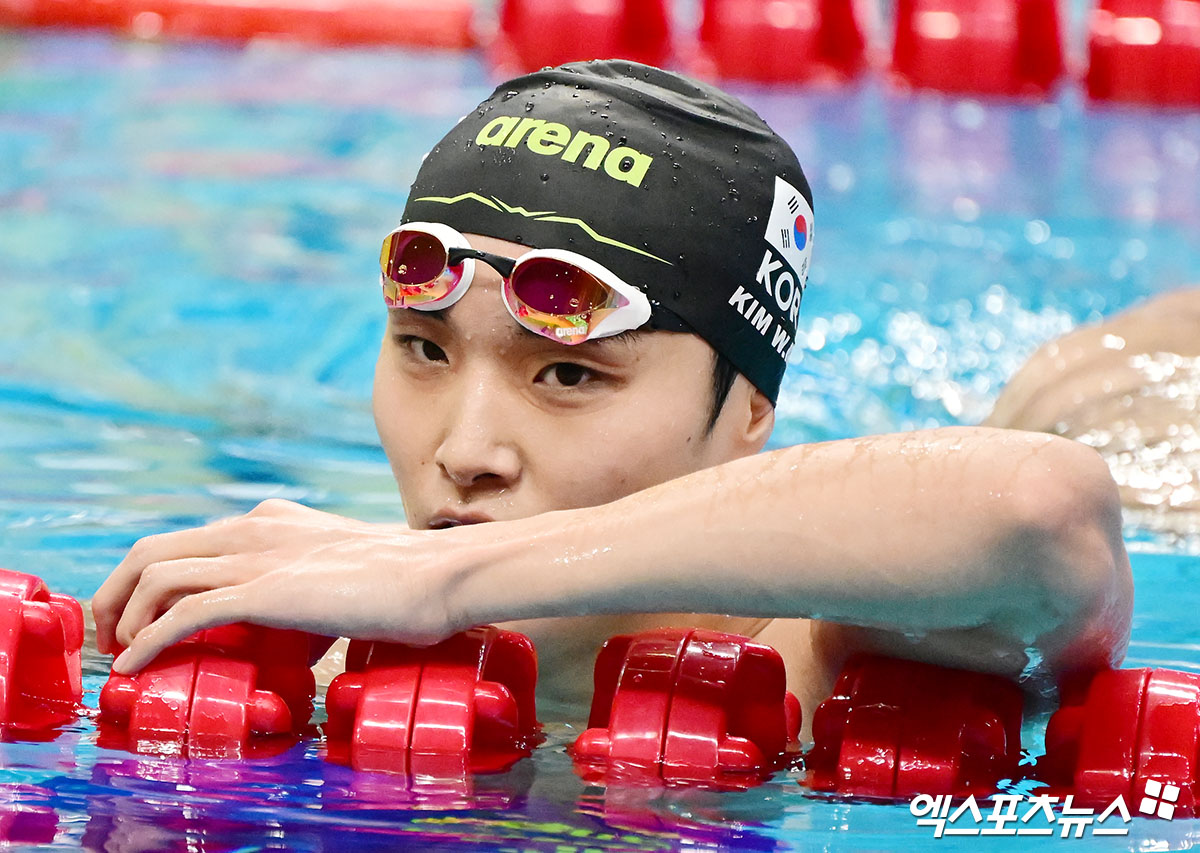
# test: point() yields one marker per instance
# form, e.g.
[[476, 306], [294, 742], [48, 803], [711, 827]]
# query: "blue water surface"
[[188, 322]]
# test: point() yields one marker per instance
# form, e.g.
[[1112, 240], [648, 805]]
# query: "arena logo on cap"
[[550, 138], [783, 272]]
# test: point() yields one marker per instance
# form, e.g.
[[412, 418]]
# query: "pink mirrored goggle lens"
[[552, 286], [414, 269], [558, 300]]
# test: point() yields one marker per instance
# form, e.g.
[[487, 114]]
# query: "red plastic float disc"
[[421, 23], [895, 728], [1145, 51], [212, 695], [984, 47], [41, 634], [687, 705], [779, 41], [537, 33], [1130, 727], [465, 705]]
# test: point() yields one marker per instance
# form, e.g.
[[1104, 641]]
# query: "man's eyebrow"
[[440, 316], [615, 346], [627, 339], [611, 348], [600, 347]]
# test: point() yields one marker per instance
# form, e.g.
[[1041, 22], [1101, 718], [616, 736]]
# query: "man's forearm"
[[921, 532]]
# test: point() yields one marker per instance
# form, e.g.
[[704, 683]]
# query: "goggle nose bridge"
[[499, 263]]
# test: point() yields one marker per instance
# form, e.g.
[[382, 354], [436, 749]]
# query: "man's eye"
[[565, 374], [421, 348]]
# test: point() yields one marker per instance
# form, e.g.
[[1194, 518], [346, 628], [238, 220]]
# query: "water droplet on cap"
[[545, 177], [509, 95]]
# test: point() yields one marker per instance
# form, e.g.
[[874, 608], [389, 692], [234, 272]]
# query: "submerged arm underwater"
[[972, 547]]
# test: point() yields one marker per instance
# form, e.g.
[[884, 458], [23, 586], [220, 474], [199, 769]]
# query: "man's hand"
[[283, 565]]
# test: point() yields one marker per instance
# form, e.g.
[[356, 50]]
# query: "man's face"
[[483, 420]]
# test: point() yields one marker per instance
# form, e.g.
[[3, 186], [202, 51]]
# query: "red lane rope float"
[[895, 728], [1145, 51], [537, 33], [681, 705], [1129, 731], [41, 633], [985, 47], [217, 694], [780, 41], [424, 23], [441, 712]]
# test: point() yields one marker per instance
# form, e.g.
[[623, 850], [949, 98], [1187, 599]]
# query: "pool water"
[[188, 322]]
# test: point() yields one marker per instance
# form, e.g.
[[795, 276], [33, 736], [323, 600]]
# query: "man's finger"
[[110, 599], [191, 614], [162, 584]]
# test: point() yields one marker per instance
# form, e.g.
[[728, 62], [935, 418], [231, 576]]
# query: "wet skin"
[[482, 420], [609, 509]]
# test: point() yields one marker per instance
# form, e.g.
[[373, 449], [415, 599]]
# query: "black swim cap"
[[677, 187]]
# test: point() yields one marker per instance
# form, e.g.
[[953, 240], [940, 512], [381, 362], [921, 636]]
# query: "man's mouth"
[[441, 522]]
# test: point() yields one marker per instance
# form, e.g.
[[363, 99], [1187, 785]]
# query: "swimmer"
[[1130, 388], [590, 303]]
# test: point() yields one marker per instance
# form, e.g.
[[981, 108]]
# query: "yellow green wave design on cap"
[[543, 216]]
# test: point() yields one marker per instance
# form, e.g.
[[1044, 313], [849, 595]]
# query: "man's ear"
[[761, 420], [746, 420]]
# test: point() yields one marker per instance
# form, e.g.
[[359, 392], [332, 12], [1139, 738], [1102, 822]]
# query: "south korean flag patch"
[[790, 234]]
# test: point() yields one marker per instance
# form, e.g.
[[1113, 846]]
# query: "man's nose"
[[477, 448]]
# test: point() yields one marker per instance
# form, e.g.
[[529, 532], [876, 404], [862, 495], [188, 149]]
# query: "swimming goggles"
[[552, 292]]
